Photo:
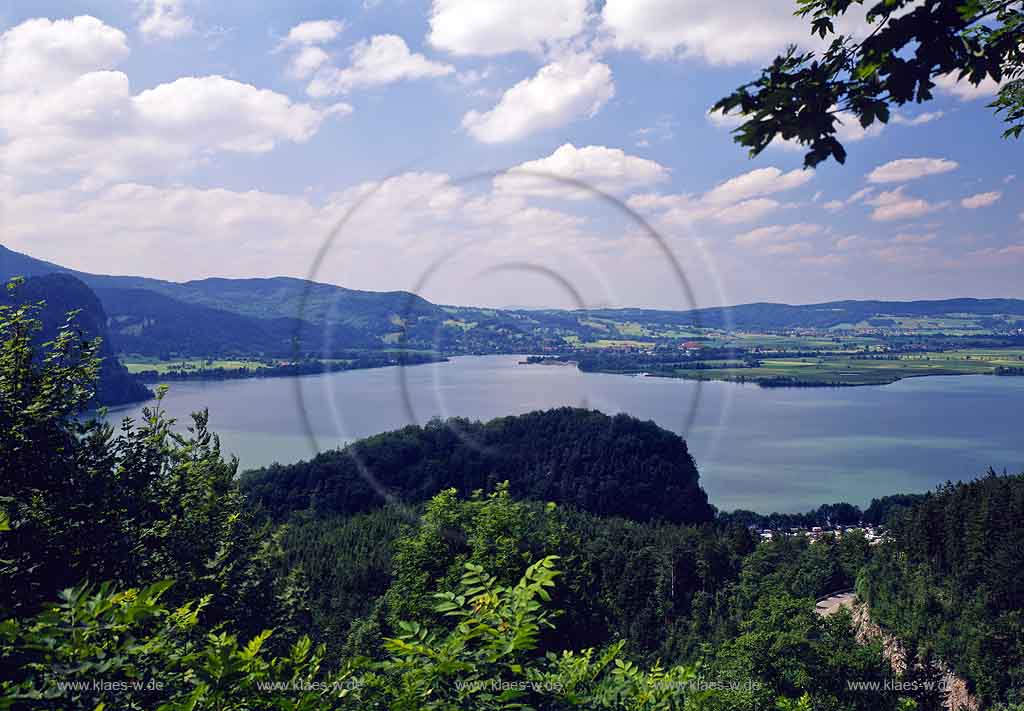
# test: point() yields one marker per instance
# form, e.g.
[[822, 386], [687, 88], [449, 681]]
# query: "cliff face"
[[61, 293]]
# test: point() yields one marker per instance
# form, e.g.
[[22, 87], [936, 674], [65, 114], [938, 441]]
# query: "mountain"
[[211, 317], [769, 316], [61, 293], [271, 317], [609, 466]]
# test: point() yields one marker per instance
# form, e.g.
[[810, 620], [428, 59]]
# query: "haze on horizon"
[[183, 140]]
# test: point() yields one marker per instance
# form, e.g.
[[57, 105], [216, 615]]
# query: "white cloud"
[[776, 233], [762, 181], [315, 32], [746, 211], [225, 114], [1009, 178], [838, 205], [895, 205], [40, 54], [848, 129], [609, 170], [964, 90], [981, 200], [717, 32], [898, 171], [560, 93], [734, 201], [492, 27], [859, 195], [164, 19], [79, 118], [383, 59], [145, 229], [922, 118], [306, 61]]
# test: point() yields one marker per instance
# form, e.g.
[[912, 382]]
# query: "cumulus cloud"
[[41, 54], [164, 19], [776, 233], [762, 181], [561, 92], [837, 205], [156, 230], [981, 200], [306, 61], [609, 170], [899, 171], [315, 32], [383, 59], [922, 118], [717, 32], [492, 27], [848, 129], [896, 205], [964, 90], [734, 201], [81, 118]]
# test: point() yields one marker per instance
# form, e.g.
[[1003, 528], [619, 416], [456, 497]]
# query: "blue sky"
[[184, 139]]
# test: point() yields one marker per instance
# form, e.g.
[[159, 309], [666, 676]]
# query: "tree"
[[103, 648], [804, 95], [140, 505]]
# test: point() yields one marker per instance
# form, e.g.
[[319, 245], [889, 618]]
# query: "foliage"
[[615, 466], [785, 649], [345, 564], [100, 648], [141, 505], [953, 580], [487, 661], [50, 299], [803, 96]]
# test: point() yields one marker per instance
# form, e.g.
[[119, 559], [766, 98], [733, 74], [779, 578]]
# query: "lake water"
[[756, 448]]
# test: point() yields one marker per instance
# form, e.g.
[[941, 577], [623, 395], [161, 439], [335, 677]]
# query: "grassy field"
[[164, 366], [844, 370]]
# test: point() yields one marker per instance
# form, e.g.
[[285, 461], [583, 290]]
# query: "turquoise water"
[[756, 448]]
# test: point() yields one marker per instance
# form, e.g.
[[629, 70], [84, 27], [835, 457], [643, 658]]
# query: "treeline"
[[840, 514], [616, 466], [952, 582], [280, 370]]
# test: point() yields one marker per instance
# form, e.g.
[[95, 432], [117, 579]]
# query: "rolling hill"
[[269, 317]]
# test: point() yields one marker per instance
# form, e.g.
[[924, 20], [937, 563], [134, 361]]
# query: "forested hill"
[[604, 465], [60, 294], [952, 582], [266, 317], [770, 316]]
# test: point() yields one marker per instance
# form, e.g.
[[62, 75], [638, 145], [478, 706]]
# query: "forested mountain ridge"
[[60, 294], [616, 466], [270, 316]]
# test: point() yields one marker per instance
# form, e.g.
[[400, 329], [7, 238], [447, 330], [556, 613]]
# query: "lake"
[[765, 449]]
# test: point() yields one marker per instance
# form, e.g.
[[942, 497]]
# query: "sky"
[[537, 153]]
